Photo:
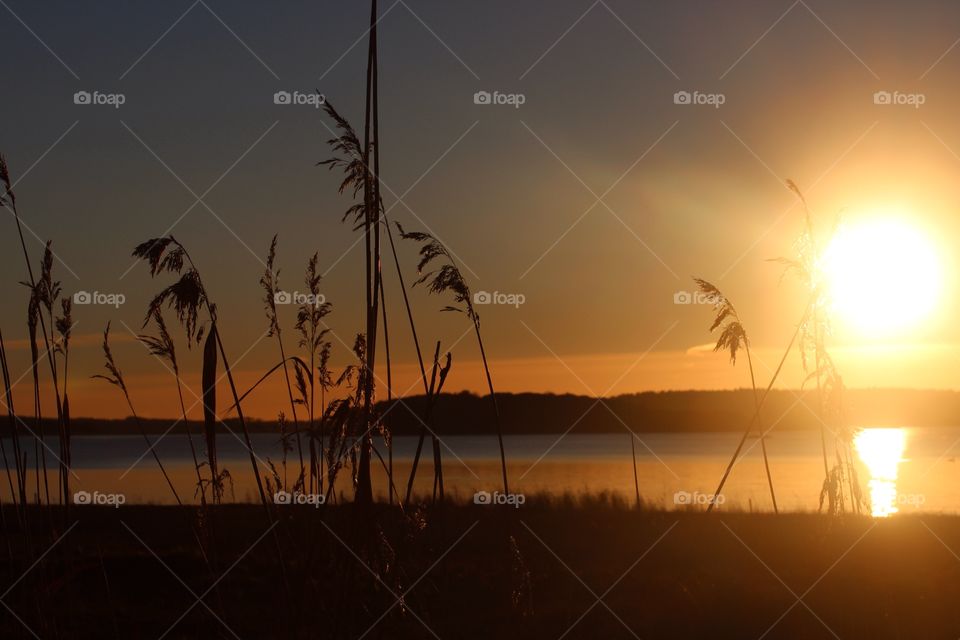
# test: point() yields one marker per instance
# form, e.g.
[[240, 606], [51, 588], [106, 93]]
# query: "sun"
[[883, 275]]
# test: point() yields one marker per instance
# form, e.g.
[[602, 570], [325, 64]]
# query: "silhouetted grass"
[[188, 298]]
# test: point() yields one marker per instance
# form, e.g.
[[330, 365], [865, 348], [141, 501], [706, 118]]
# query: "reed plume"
[[358, 177], [187, 297], [448, 279], [733, 338], [310, 317]]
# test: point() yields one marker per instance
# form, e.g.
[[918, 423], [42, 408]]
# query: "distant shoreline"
[[648, 412]]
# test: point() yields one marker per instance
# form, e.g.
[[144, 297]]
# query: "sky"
[[590, 189]]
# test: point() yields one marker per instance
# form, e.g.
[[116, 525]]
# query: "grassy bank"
[[478, 572]]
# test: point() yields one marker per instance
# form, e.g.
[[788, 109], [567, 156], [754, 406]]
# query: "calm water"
[[904, 470]]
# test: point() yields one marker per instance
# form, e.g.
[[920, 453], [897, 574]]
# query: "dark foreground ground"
[[541, 571]]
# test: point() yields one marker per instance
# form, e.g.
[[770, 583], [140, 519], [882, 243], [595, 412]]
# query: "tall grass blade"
[[209, 386]]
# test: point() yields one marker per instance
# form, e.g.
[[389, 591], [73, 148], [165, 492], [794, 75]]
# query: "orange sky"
[[602, 374]]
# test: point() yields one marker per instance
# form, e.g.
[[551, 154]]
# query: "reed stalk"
[[162, 347], [64, 326], [813, 339], [14, 436], [416, 344], [8, 199], [759, 406], [448, 278], [387, 434], [115, 377], [733, 337], [33, 315], [270, 281], [371, 231], [310, 317], [188, 297]]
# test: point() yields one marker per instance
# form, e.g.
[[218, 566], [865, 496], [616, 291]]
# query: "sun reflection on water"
[[881, 450]]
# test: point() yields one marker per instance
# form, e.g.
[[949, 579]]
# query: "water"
[[904, 470]]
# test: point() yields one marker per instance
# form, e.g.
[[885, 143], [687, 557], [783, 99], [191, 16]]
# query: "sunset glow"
[[540, 320]]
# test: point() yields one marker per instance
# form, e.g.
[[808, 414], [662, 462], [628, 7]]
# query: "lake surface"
[[904, 470]]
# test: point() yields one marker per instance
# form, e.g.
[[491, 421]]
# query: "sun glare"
[[881, 450], [883, 275]]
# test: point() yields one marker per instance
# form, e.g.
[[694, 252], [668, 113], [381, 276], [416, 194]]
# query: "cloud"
[[700, 349]]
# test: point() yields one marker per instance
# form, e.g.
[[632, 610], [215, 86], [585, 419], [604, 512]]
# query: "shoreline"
[[694, 411]]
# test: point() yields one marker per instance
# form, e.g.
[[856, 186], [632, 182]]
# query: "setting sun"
[[883, 275]]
